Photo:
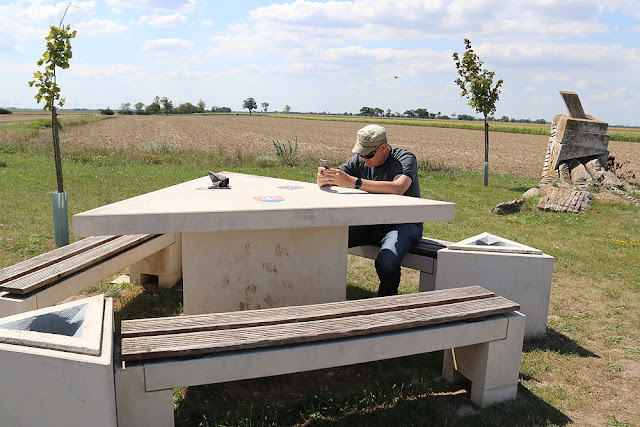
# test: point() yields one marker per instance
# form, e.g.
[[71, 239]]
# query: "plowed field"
[[509, 153]]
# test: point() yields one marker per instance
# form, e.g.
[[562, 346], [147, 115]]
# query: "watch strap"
[[358, 183]]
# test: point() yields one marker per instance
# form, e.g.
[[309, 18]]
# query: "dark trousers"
[[394, 240]]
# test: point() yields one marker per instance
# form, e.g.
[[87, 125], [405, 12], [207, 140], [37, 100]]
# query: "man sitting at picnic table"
[[379, 168]]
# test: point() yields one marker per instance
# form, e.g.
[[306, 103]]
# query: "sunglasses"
[[371, 154]]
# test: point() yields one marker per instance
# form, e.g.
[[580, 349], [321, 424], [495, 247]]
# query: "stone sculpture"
[[575, 164], [575, 140]]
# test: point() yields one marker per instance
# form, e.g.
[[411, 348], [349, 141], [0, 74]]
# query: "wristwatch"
[[358, 183]]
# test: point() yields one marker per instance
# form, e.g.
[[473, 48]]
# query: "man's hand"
[[334, 177], [322, 178]]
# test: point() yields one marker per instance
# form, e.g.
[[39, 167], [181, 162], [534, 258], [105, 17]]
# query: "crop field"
[[517, 154], [29, 115]]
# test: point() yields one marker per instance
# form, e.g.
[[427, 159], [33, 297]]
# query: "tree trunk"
[[56, 149], [486, 152]]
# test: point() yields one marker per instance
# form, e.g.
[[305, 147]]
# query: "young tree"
[[367, 111], [167, 105], [287, 109], [265, 105], [422, 113], [249, 104], [139, 106], [477, 85], [153, 108], [125, 108], [201, 106], [57, 55]]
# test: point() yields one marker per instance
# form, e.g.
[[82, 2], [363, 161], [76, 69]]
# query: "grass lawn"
[[584, 371]]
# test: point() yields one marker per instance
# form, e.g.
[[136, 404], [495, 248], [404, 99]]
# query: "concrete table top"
[[266, 242], [254, 203]]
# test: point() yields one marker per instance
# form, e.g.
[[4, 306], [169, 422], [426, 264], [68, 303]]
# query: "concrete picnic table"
[[265, 242]]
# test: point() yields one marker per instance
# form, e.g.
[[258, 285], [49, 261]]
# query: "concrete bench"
[[422, 257], [481, 334], [47, 279]]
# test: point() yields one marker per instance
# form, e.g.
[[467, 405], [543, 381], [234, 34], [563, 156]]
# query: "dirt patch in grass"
[[253, 135]]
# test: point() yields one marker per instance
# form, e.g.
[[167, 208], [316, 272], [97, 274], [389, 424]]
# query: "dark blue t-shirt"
[[400, 162]]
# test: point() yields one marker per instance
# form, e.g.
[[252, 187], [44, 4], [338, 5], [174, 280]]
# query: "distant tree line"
[[165, 106], [423, 113]]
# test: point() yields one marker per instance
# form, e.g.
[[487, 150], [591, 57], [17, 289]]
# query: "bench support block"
[[137, 407], [166, 264], [490, 366]]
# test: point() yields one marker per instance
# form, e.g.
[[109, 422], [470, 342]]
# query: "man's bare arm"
[[399, 185]]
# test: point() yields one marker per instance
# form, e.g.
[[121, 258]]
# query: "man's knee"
[[387, 261]]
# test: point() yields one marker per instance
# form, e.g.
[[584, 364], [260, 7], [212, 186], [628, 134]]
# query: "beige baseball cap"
[[368, 138]]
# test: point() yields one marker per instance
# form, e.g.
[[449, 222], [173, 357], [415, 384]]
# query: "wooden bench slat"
[[239, 319], [66, 267], [197, 343], [428, 247], [44, 260], [425, 247]]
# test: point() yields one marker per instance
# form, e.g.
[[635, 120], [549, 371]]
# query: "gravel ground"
[[508, 153]]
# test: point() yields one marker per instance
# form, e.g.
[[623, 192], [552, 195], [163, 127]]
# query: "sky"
[[331, 56]]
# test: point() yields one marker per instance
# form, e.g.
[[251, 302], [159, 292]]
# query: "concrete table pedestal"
[[297, 266]]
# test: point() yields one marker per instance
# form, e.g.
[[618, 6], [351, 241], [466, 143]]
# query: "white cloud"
[[577, 57], [21, 23], [102, 72], [52, 13], [42, 13], [385, 19], [550, 77], [622, 92], [100, 27], [542, 99], [14, 34], [167, 46], [629, 7], [183, 6], [381, 61], [291, 29], [206, 23], [156, 20]]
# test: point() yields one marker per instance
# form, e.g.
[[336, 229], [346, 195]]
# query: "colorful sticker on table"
[[270, 199]]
